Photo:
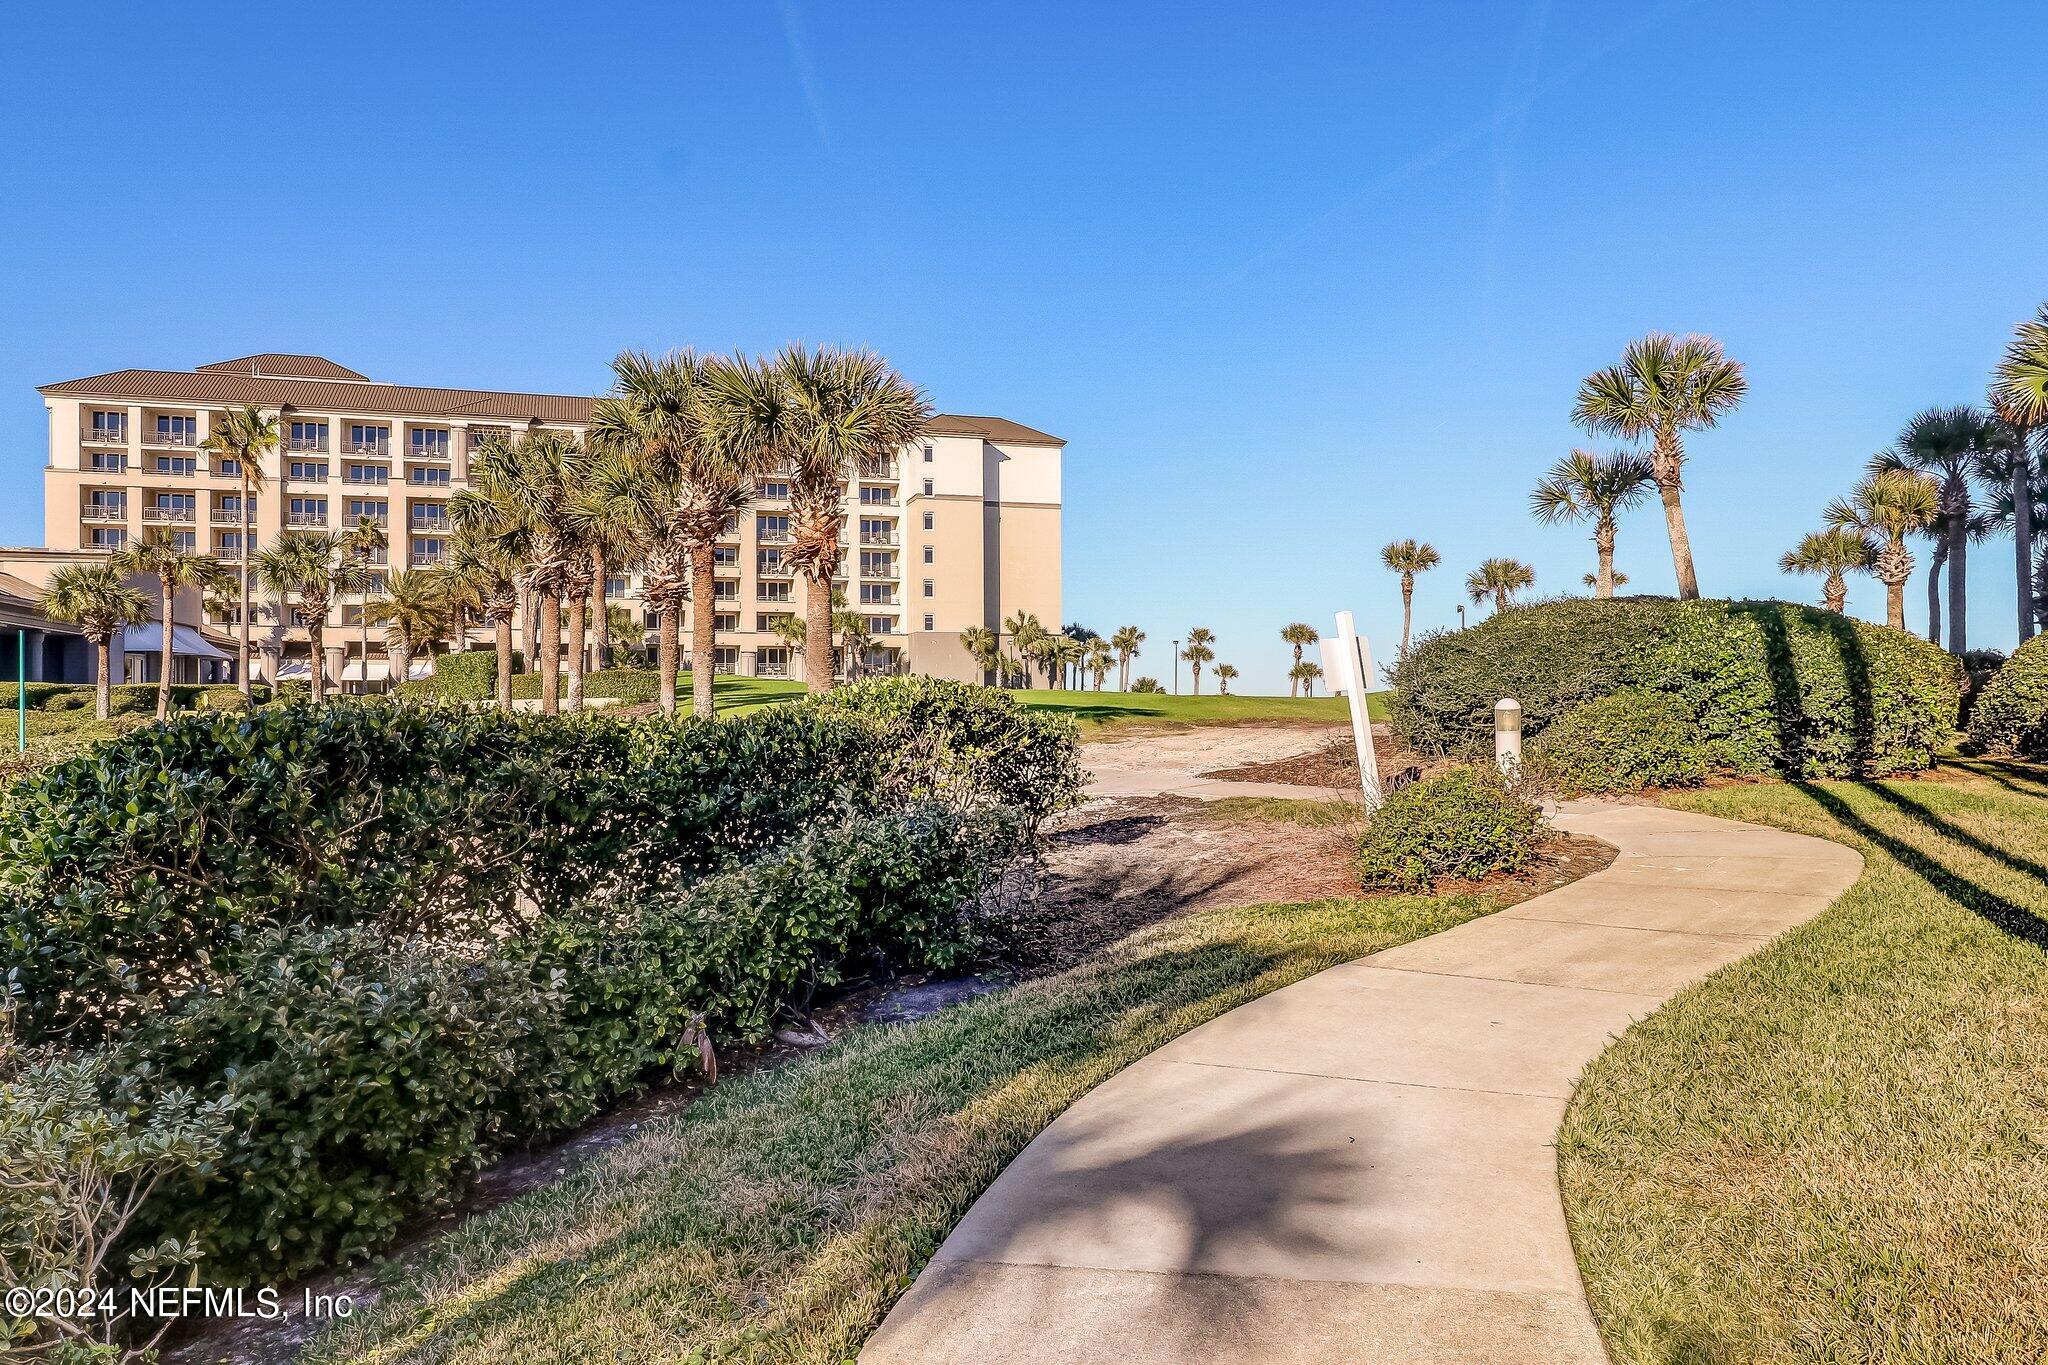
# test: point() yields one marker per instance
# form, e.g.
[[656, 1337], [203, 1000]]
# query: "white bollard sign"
[[1347, 664]]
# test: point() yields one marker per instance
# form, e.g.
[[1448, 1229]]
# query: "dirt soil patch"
[[1334, 763]]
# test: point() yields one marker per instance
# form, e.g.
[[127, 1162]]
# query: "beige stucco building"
[[961, 529]]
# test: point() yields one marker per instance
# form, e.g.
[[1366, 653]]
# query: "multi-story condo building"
[[961, 528]]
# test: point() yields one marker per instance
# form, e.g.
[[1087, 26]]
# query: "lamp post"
[[1176, 668], [1461, 616]]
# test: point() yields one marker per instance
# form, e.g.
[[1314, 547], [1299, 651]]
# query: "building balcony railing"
[[229, 516], [422, 561], [866, 503], [775, 570], [878, 469], [436, 453], [381, 448], [305, 445], [175, 473], [103, 512], [379, 480], [305, 518], [890, 601], [171, 438], [878, 537], [104, 436], [773, 538], [180, 514], [376, 518], [431, 526], [888, 571]]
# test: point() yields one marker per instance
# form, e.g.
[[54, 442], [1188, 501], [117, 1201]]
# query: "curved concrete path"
[[1359, 1167]]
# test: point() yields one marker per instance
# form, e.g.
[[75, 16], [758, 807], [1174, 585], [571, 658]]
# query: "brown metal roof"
[[281, 366], [345, 391]]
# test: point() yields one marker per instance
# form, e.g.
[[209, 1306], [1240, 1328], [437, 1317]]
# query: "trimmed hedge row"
[[2011, 712], [1624, 741], [1769, 686]]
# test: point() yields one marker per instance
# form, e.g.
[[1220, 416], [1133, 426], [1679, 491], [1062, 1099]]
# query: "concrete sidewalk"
[[1359, 1167]]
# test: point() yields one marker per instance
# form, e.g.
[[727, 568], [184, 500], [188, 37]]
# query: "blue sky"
[[1291, 280]]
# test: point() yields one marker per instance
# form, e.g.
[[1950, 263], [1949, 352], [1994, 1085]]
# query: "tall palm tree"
[[361, 543], [1224, 673], [1890, 504], [96, 598], [1664, 386], [1199, 651], [524, 496], [245, 436], [792, 632], [416, 609], [1500, 578], [1951, 446], [1831, 554], [852, 636], [1406, 558], [1027, 634], [1098, 659], [159, 555], [1305, 673], [822, 414], [1125, 642], [984, 646], [481, 577], [2020, 396], [1299, 634], [1060, 653], [300, 568], [1584, 486]]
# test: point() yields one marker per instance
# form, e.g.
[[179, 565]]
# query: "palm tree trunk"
[[1681, 543], [818, 630], [579, 609], [163, 682], [531, 628], [1603, 545], [242, 660], [1407, 613], [1123, 673], [1835, 593], [600, 625], [668, 643], [1895, 605], [315, 636], [549, 646], [502, 631], [1196, 670], [103, 687], [703, 633], [2023, 530], [1500, 600], [400, 650], [1934, 563], [1958, 579]]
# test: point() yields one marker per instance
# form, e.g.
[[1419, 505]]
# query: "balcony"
[[380, 449], [866, 503], [878, 537], [167, 514], [375, 518], [103, 512], [890, 570], [437, 454], [305, 445], [777, 569], [379, 479], [104, 436], [171, 438], [231, 516], [305, 518], [890, 601], [772, 538], [422, 560], [431, 526], [878, 469]]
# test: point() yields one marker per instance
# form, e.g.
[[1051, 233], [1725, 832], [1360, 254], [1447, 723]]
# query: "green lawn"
[[1837, 1150], [780, 1217], [1095, 710]]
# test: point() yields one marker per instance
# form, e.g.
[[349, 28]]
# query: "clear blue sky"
[[1292, 280]]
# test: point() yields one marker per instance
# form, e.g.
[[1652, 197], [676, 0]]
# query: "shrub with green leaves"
[[2011, 714], [1624, 741], [1772, 687], [1467, 823]]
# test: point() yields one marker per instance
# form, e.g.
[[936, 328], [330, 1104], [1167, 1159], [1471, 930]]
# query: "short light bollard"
[[1507, 737]]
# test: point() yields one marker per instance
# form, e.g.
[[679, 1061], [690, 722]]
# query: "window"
[[430, 443], [726, 558], [928, 521], [367, 439], [726, 620], [108, 501], [927, 460], [176, 464], [187, 541], [307, 512], [110, 426], [615, 587], [877, 565], [230, 469], [928, 621], [307, 436], [875, 531], [228, 507], [107, 538], [376, 509], [928, 555], [877, 497], [307, 471], [430, 515], [930, 589], [177, 431], [881, 625], [771, 528], [927, 487], [777, 591], [725, 658], [109, 462], [877, 593], [173, 506], [766, 620], [227, 543], [725, 590], [367, 473], [772, 662], [429, 476], [769, 562], [428, 551], [774, 492]]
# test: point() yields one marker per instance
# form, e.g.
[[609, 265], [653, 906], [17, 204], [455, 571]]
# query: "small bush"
[[1465, 823], [1149, 686], [2011, 712], [1624, 741]]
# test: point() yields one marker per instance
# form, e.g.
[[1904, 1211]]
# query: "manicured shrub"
[[469, 676], [1468, 822], [1772, 687], [1150, 686], [1624, 741], [2011, 714]]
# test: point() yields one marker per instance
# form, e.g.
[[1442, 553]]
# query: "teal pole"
[[21, 690]]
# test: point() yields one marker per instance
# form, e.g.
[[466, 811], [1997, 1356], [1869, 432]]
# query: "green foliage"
[[1467, 822], [469, 676], [1772, 687], [1623, 741], [1148, 685], [2011, 714]]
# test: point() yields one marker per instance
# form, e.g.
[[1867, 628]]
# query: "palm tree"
[[1300, 634], [1502, 578], [1406, 558], [1585, 486], [822, 414], [1059, 653], [1198, 652], [301, 565], [97, 598], [1592, 580], [983, 646], [481, 577], [1098, 659], [1890, 504], [524, 496], [1224, 673], [1664, 386], [1125, 642], [415, 609], [791, 631], [2020, 396], [1027, 634], [245, 436], [1305, 673], [361, 543], [159, 555], [1831, 554], [1951, 446]]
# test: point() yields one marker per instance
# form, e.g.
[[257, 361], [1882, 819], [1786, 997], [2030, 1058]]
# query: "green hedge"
[[2011, 714], [1468, 822], [1771, 687], [1624, 741]]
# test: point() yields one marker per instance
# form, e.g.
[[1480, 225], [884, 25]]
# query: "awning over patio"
[[185, 642]]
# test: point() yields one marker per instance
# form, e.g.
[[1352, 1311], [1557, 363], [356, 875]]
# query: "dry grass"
[[1837, 1150], [779, 1218]]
